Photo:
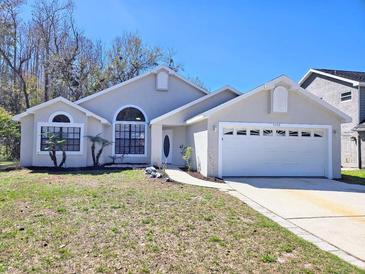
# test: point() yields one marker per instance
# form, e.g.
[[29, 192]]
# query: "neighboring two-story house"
[[344, 90]]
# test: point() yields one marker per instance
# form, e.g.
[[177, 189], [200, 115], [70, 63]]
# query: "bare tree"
[[15, 45], [49, 56], [49, 23]]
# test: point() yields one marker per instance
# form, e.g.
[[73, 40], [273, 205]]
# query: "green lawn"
[[356, 176], [87, 222]]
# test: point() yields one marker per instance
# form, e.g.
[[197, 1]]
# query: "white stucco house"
[[276, 129]]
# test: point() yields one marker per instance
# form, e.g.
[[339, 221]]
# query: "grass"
[[356, 176], [108, 222]]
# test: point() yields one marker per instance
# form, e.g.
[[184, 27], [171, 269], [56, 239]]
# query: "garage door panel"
[[274, 155]]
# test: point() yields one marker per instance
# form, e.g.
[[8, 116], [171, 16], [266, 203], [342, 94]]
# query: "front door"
[[167, 146]]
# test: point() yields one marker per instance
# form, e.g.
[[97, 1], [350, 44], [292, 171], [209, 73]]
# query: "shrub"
[[9, 136], [187, 152]]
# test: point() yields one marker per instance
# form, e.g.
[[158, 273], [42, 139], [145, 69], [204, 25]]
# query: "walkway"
[[180, 176]]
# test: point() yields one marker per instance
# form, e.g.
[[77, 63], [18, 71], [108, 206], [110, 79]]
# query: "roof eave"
[[196, 119], [31, 110], [310, 71], [197, 101], [127, 82]]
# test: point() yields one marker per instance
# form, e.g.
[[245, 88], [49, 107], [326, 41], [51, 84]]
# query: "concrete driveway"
[[333, 211]]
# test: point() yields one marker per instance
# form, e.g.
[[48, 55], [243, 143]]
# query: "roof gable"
[[54, 101], [154, 71], [281, 80], [197, 101], [355, 78]]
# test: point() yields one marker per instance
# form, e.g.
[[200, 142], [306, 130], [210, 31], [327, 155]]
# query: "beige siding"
[[255, 109]]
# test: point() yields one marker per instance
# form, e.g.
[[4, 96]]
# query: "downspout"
[[359, 164]]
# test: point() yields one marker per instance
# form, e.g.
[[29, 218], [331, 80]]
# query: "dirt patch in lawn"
[[197, 175], [124, 222]]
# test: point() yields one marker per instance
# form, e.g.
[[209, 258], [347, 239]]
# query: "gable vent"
[[279, 100], [162, 80]]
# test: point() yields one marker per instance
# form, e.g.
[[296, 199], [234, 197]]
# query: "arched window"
[[61, 125], [61, 118], [130, 114], [130, 132]]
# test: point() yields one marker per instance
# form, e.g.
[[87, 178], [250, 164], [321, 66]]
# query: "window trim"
[[146, 139], [54, 114], [48, 124], [347, 100]]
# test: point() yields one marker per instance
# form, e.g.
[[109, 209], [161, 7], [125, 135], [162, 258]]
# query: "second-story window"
[[346, 96]]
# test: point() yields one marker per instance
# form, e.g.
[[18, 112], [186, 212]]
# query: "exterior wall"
[[72, 160], [144, 95], [180, 117], [26, 142], [196, 137], [330, 90], [255, 109]]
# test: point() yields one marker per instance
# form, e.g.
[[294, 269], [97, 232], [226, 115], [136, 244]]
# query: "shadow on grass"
[[299, 183], [72, 171], [352, 180]]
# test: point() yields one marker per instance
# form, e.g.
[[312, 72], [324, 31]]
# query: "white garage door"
[[273, 151]]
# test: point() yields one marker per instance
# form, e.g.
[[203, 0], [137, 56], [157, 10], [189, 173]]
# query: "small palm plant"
[[102, 143], [186, 153], [53, 143]]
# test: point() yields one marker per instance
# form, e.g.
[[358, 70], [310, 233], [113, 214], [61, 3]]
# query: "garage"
[[249, 149], [276, 130]]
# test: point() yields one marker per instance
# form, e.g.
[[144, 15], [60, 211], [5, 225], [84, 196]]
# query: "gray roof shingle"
[[351, 75]]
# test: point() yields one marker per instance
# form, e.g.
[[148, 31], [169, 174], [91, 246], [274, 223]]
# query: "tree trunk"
[[26, 95], [63, 158], [46, 86], [93, 153], [99, 154], [46, 75], [52, 154]]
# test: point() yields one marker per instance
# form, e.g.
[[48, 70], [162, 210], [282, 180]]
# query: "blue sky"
[[240, 43]]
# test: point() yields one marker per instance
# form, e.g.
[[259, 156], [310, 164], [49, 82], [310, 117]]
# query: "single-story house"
[[276, 129]]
